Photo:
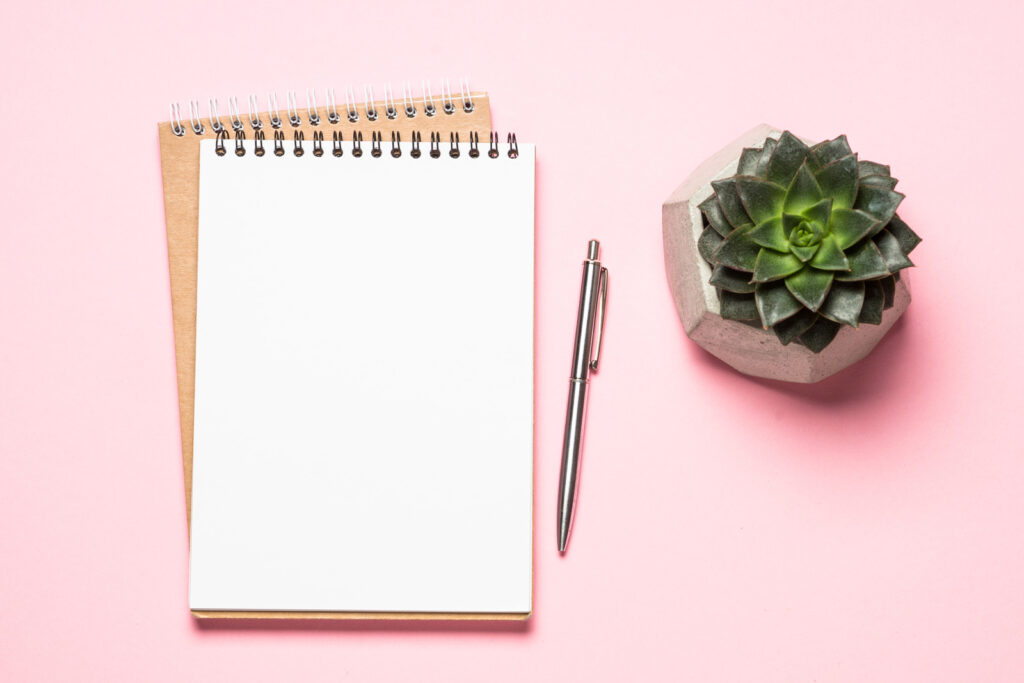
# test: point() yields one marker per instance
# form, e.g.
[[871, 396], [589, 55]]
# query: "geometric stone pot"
[[751, 350]]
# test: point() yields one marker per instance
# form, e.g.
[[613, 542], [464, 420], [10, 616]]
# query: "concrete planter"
[[748, 349]]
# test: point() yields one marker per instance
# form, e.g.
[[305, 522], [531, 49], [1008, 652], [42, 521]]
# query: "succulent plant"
[[805, 239]]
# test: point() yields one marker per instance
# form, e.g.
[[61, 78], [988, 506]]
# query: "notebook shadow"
[[868, 378], [439, 626]]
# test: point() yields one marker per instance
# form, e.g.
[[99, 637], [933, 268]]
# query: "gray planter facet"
[[748, 349]]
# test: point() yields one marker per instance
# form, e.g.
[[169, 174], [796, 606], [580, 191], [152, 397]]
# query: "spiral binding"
[[410, 108], [237, 124], [376, 144]]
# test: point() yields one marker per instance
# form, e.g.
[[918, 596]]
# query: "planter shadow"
[[862, 382]]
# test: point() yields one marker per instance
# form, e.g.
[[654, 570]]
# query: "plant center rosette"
[[805, 239]]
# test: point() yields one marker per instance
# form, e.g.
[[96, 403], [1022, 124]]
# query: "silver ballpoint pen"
[[585, 355]]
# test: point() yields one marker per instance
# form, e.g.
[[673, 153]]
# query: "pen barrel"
[[576, 409], [572, 447], [586, 315]]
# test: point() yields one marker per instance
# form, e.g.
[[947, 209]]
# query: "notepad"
[[364, 378]]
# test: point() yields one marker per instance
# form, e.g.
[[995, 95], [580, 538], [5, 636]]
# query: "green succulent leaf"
[[844, 302], [766, 154], [737, 251], [878, 202], [761, 199], [882, 181], [775, 303], [866, 168], [866, 263], [838, 180], [804, 253], [803, 192], [895, 259], [748, 161], [712, 210], [770, 234], [790, 221], [907, 238], [820, 334], [708, 242], [732, 280], [819, 213], [810, 286], [789, 155], [825, 153], [874, 303], [729, 199], [792, 327], [772, 265], [830, 256], [889, 291], [850, 226], [738, 306], [803, 240]]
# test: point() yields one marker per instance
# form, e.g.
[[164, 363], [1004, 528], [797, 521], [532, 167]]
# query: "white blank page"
[[364, 382]]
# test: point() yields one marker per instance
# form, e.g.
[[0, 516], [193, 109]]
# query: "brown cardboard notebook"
[[179, 151]]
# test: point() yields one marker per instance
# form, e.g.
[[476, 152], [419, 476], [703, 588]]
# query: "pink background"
[[867, 528]]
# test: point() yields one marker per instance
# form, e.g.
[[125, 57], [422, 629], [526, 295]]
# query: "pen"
[[589, 330]]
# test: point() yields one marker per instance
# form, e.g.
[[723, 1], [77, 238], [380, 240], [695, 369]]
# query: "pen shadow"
[[439, 626]]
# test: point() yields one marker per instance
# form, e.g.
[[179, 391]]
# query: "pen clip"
[[602, 296]]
